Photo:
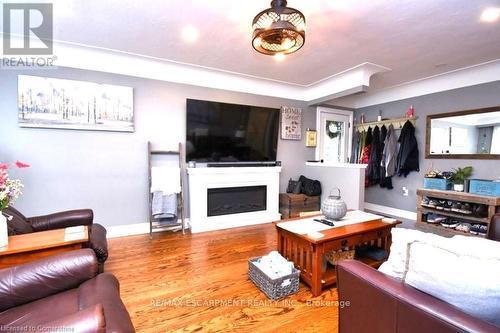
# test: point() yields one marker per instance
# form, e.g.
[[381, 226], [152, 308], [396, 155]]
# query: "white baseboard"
[[123, 230], [405, 214]]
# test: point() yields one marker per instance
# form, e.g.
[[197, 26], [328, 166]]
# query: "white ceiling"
[[414, 38]]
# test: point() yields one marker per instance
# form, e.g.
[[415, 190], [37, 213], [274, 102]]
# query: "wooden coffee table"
[[307, 253], [29, 247]]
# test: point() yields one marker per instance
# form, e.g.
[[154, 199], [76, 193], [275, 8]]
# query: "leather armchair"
[[62, 293], [494, 228], [379, 303], [21, 224]]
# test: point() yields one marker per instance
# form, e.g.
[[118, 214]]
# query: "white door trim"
[[350, 114]]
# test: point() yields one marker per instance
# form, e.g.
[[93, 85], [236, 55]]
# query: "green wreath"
[[333, 129]]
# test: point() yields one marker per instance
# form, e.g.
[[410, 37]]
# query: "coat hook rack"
[[398, 123]]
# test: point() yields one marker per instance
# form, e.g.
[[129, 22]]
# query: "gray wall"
[[479, 96], [107, 171]]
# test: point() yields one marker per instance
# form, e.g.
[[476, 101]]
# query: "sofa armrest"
[[90, 320], [99, 242], [70, 218], [45, 277], [380, 303], [494, 228]]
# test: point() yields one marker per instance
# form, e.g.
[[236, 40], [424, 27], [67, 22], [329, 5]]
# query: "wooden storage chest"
[[291, 205]]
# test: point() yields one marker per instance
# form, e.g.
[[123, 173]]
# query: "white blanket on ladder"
[[166, 179]]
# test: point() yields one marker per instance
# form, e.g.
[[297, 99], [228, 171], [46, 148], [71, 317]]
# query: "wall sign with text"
[[291, 123]]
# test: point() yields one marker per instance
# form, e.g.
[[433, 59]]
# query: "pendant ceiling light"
[[279, 29]]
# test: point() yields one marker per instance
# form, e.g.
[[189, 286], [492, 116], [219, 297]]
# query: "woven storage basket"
[[273, 288], [335, 256]]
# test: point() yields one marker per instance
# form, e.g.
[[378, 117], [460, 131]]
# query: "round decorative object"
[[333, 207], [279, 29]]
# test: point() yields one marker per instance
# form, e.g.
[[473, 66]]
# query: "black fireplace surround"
[[234, 200]]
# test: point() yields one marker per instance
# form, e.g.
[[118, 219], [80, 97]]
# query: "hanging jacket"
[[390, 152], [365, 157], [388, 161], [375, 157], [383, 136], [407, 159], [367, 146], [361, 146], [355, 147]]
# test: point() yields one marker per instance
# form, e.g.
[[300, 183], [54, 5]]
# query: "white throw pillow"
[[395, 265], [469, 282], [474, 246]]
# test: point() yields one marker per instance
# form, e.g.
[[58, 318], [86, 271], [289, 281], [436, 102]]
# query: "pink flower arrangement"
[[10, 189]]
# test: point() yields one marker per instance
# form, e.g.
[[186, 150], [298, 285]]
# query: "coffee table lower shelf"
[[329, 277], [307, 254]]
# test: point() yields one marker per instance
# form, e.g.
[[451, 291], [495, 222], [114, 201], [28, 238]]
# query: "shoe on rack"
[[449, 223], [464, 227], [441, 204], [425, 202], [483, 230], [447, 206], [474, 229], [432, 203], [480, 210], [456, 207], [435, 218], [466, 209], [431, 218]]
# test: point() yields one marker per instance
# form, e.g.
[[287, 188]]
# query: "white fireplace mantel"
[[202, 179]]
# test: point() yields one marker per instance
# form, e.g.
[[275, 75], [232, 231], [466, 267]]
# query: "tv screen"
[[221, 132]]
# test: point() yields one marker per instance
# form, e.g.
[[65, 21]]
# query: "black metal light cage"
[[278, 29]]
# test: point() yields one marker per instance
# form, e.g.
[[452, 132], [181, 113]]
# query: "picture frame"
[[291, 123], [45, 102], [311, 138]]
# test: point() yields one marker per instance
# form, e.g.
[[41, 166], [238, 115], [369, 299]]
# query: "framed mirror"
[[470, 134]]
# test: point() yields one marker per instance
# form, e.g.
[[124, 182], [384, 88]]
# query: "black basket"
[[277, 288]]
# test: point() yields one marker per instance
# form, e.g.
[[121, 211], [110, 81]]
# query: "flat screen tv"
[[222, 132]]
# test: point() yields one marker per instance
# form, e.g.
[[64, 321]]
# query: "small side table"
[[28, 247]]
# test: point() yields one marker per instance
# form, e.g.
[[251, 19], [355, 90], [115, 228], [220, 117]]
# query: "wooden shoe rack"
[[492, 203]]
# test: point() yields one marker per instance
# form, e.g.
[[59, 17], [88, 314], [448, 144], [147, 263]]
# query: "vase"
[[4, 233], [333, 207], [458, 187]]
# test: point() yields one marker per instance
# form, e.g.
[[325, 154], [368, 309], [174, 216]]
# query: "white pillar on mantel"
[[349, 178]]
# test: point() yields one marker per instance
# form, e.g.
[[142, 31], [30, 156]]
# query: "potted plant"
[[10, 190], [459, 177]]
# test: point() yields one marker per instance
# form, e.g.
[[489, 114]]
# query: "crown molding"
[[83, 57], [86, 57], [463, 77], [353, 83]]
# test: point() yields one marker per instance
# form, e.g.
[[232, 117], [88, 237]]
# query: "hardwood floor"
[[199, 283]]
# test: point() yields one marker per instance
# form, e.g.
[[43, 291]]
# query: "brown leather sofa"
[[62, 293], [20, 224], [379, 303]]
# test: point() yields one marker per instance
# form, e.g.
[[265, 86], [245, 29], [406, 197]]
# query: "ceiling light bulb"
[[286, 44], [279, 57], [190, 34], [490, 15]]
